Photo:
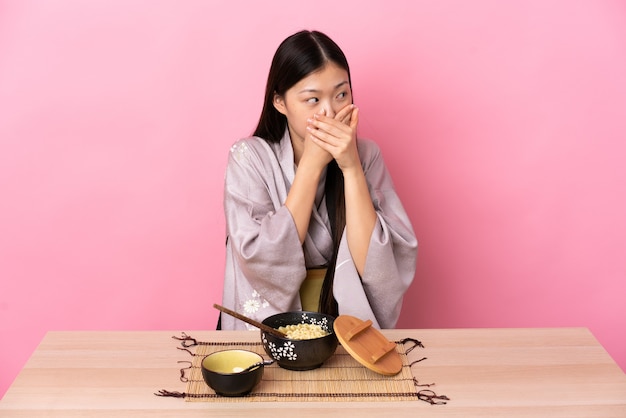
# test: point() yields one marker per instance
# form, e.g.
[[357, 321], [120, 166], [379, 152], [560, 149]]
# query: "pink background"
[[503, 124]]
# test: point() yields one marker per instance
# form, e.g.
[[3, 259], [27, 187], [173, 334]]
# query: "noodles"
[[303, 331]]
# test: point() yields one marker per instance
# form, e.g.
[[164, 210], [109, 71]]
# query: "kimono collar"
[[284, 153]]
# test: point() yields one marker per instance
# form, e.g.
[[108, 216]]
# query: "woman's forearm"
[[301, 197], [360, 216]]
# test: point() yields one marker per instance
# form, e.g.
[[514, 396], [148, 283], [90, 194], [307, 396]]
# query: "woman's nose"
[[328, 111]]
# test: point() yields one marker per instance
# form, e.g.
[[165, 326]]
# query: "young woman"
[[312, 218]]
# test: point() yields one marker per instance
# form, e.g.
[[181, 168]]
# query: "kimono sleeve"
[[260, 229]]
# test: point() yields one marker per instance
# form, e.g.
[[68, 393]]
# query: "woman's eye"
[[312, 100], [342, 95]]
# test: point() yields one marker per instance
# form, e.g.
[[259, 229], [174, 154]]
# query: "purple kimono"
[[265, 262]]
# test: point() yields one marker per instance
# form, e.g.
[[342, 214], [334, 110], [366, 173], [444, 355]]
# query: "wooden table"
[[560, 372]]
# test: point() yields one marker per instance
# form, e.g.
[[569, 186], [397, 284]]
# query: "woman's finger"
[[345, 114], [354, 118]]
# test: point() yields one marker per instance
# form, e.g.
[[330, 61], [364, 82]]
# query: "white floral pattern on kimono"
[[253, 305]]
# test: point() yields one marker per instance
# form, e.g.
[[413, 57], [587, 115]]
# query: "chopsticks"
[[250, 321]]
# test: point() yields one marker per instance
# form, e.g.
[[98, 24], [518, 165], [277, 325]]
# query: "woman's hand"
[[337, 136], [313, 153]]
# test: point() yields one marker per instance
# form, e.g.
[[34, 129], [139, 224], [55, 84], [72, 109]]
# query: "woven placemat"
[[340, 378]]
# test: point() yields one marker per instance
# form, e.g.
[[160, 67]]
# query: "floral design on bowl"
[[286, 351], [322, 322]]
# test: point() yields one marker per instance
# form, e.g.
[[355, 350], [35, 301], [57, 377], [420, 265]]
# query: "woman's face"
[[327, 90]]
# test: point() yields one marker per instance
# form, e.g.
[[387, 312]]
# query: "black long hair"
[[298, 56]]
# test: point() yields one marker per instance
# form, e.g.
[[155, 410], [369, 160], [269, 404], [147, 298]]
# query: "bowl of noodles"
[[310, 339]]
